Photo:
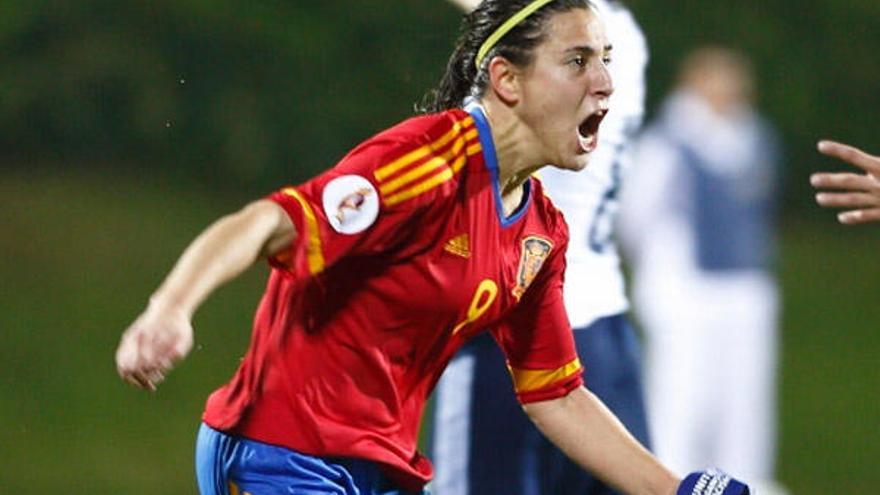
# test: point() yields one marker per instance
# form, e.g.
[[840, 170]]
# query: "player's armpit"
[[284, 232]]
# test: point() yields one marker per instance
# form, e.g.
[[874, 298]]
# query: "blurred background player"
[[857, 194], [698, 218], [482, 442]]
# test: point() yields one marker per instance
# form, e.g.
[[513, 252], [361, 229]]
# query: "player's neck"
[[516, 161]]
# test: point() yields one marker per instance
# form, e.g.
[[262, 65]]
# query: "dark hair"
[[462, 79]]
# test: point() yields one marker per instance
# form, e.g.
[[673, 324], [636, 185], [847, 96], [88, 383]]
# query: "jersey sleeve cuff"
[[556, 391], [306, 249], [544, 384]]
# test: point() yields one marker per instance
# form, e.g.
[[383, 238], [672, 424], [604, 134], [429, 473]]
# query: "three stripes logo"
[[428, 166]]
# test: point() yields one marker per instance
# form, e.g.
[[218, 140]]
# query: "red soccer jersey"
[[402, 254]]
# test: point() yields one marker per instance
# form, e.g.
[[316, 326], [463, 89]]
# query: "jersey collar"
[[491, 160]]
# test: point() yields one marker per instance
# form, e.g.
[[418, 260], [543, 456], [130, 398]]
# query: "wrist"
[[711, 481], [165, 304]]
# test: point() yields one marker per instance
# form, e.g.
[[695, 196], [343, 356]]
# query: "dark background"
[[126, 127]]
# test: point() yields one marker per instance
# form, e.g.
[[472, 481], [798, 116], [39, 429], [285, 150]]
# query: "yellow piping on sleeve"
[[528, 380], [314, 253]]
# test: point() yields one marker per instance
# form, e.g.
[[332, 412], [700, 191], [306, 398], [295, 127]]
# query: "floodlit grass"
[[80, 257], [830, 403], [82, 253]]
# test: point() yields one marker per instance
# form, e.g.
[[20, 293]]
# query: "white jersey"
[[594, 285]]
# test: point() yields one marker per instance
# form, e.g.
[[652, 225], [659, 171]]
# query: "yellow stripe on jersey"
[[459, 163], [314, 254], [529, 380], [423, 186], [473, 149], [422, 170], [390, 169], [445, 174]]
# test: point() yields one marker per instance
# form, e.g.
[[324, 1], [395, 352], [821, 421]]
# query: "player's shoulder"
[[418, 131], [419, 160], [430, 127]]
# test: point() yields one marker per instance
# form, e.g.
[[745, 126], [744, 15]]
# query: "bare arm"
[[466, 5], [857, 194], [162, 334], [582, 427]]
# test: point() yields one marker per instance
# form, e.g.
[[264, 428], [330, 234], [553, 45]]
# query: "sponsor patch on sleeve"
[[351, 204]]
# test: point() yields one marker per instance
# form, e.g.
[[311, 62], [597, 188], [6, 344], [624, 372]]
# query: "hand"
[[859, 194], [149, 348]]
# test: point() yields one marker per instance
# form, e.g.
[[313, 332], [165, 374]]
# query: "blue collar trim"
[[491, 160]]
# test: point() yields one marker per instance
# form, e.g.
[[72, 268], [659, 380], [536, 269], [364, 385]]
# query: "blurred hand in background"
[[858, 194]]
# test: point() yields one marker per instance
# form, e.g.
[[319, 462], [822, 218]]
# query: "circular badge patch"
[[351, 204]]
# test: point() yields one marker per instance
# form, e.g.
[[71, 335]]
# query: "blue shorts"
[[482, 441], [229, 465]]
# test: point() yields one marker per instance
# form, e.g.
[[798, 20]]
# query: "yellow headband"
[[506, 27]]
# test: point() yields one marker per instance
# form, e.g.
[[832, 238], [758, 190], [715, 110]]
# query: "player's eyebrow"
[[589, 50]]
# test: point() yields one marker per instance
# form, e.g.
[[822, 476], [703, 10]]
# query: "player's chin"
[[581, 162], [576, 161]]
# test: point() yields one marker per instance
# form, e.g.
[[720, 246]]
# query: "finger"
[[145, 350], [166, 363], [163, 358], [843, 180], [137, 379], [847, 200], [154, 351], [856, 217], [852, 155], [155, 377], [144, 380]]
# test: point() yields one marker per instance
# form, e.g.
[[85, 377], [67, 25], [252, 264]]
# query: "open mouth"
[[588, 131]]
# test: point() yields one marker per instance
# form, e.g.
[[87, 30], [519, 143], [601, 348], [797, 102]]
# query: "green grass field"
[[81, 253]]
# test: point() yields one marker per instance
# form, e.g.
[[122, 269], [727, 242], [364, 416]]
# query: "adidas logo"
[[459, 245]]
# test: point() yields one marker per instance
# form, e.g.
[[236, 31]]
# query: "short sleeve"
[[538, 341], [342, 213], [379, 198]]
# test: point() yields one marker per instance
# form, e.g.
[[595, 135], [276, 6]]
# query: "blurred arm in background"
[[859, 194], [466, 5]]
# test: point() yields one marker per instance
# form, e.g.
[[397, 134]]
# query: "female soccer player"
[[480, 436], [421, 237]]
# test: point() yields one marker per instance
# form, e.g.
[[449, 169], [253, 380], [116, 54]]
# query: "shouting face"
[[564, 92]]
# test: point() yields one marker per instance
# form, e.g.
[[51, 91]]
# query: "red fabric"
[[341, 363]]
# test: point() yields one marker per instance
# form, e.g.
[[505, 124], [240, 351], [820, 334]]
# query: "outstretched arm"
[[587, 432], [858, 194], [162, 334]]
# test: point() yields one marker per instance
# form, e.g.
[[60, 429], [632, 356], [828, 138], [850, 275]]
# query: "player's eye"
[[578, 61], [606, 60]]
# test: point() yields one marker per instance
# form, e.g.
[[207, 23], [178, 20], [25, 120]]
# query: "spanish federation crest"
[[534, 251]]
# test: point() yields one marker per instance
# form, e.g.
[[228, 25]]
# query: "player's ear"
[[504, 77]]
